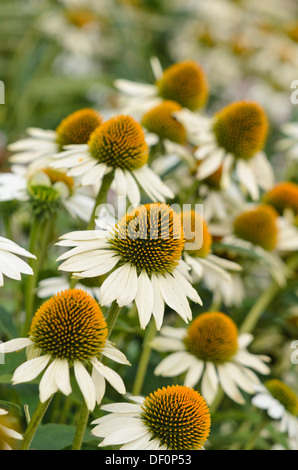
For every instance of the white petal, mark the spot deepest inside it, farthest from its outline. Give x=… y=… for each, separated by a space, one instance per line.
x=86 y=384
x=125 y=435
x=144 y=299
x=48 y=386
x=209 y=383
x=29 y=370
x=99 y=384
x=247 y=178
x=174 y=364
x=113 y=353
x=210 y=164
x=15 y=345
x=114 y=284
x=228 y=385
x=62 y=377
x=174 y=297
x=110 y=375
x=130 y=289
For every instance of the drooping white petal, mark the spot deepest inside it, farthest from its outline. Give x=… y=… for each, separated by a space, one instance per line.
x=130 y=289
x=159 y=305
x=29 y=370
x=144 y=298
x=194 y=373
x=174 y=296
x=114 y=284
x=86 y=384
x=62 y=377
x=209 y=382
x=110 y=375
x=174 y=364
x=48 y=385
x=113 y=353
x=228 y=384
x=247 y=178
x=99 y=384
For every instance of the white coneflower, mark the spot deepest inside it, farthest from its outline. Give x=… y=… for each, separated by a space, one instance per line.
x=10 y=263
x=142 y=254
x=211 y=349
x=184 y=82
x=171 y=418
x=198 y=252
x=233 y=138
x=164 y=129
x=284 y=198
x=117 y=146
x=261 y=229
x=7 y=432
x=68 y=330
x=43 y=144
x=76 y=26
x=43 y=187
x=281 y=404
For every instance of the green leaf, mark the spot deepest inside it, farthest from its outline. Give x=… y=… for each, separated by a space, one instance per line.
x=55 y=437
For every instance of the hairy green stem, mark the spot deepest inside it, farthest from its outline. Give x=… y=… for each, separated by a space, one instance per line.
x=81 y=428
x=144 y=359
x=264 y=301
x=39 y=239
x=101 y=197
x=34 y=423
x=256 y=434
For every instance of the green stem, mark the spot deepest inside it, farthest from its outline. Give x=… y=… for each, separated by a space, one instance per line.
x=81 y=427
x=31 y=280
x=258 y=308
x=264 y=301
x=34 y=423
x=101 y=197
x=84 y=413
x=39 y=240
x=144 y=359
x=256 y=434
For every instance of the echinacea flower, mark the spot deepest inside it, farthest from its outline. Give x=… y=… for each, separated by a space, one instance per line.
x=7 y=432
x=170 y=418
x=281 y=404
x=43 y=144
x=184 y=82
x=233 y=138
x=198 y=252
x=68 y=330
x=45 y=189
x=210 y=349
x=164 y=129
x=117 y=146
x=10 y=264
x=261 y=229
x=77 y=27
x=284 y=198
x=142 y=254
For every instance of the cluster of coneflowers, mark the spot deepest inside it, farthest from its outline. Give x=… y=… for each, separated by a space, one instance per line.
x=152 y=262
